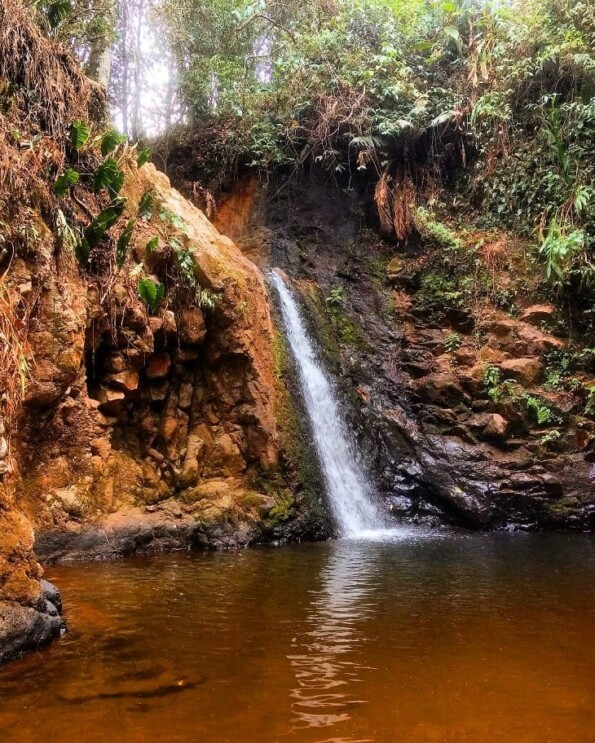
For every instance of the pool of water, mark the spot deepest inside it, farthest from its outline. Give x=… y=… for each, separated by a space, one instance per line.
x=414 y=637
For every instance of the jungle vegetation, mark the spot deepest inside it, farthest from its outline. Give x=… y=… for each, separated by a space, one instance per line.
x=492 y=99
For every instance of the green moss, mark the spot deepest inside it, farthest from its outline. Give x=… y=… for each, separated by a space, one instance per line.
x=298 y=468
x=251 y=499
x=440 y=292
x=283 y=510
x=563 y=507
x=347 y=331
x=434 y=231
x=320 y=315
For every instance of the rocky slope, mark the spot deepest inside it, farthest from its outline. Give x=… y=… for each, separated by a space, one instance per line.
x=452 y=359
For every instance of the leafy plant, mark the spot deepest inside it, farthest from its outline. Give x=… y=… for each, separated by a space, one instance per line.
x=550 y=438
x=55 y=12
x=124 y=242
x=336 y=297
x=66 y=235
x=143 y=157
x=95 y=232
x=146 y=206
x=111 y=141
x=166 y=215
x=435 y=231
x=152 y=244
x=207 y=299
x=561 y=251
x=491 y=382
x=152 y=294
x=109 y=176
x=64 y=182
x=452 y=342
x=79 y=134
x=590 y=406
x=185 y=261
x=539 y=410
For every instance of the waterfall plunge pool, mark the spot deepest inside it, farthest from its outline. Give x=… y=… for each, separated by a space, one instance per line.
x=420 y=637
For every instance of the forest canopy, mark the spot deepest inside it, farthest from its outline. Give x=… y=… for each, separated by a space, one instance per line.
x=415 y=94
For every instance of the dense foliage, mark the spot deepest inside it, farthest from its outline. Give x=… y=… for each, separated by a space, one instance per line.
x=417 y=90
x=492 y=98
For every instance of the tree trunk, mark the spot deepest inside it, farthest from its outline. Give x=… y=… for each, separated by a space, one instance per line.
x=100 y=54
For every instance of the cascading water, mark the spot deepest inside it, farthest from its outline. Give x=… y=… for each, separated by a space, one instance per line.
x=349 y=493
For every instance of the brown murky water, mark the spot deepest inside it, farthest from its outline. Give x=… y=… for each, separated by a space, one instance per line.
x=450 y=638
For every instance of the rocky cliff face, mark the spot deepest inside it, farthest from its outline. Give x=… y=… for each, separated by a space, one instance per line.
x=140 y=427
x=449 y=357
x=138 y=430
x=128 y=420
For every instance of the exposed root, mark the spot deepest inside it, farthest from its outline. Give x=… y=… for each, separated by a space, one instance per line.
x=42 y=74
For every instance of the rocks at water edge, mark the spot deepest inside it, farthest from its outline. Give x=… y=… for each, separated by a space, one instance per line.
x=26 y=628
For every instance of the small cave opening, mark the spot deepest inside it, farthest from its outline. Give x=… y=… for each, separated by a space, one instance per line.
x=96 y=355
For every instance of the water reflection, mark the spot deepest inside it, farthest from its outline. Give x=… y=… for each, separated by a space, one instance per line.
x=416 y=637
x=329 y=661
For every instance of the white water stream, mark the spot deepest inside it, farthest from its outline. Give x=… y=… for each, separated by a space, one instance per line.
x=349 y=492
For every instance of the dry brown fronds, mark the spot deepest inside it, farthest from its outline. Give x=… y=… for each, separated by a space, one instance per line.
x=332 y=117
x=395 y=197
x=41 y=74
x=14 y=353
x=494 y=255
x=403 y=199
x=382 y=197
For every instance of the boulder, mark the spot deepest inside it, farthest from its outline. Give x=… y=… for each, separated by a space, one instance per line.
x=101 y=447
x=533 y=342
x=158 y=366
x=185 y=395
x=110 y=401
x=490 y=355
x=192 y=328
x=537 y=314
x=472 y=379
x=441 y=388
x=158 y=392
x=527 y=371
x=465 y=356
x=501 y=325
x=187 y=354
x=394 y=268
x=115 y=363
x=127 y=381
x=24 y=628
x=496 y=428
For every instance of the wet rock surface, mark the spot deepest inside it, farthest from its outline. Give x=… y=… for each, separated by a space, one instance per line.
x=441 y=448
x=25 y=628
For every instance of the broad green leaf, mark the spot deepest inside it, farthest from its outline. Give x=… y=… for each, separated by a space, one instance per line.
x=111 y=141
x=151 y=293
x=66 y=181
x=108 y=175
x=124 y=242
x=57 y=11
x=152 y=244
x=143 y=157
x=79 y=134
x=103 y=222
x=146 y=206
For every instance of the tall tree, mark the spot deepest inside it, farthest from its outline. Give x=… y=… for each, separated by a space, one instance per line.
x=101 y=34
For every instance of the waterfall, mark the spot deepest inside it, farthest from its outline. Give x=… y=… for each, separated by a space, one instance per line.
x=349 y=492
